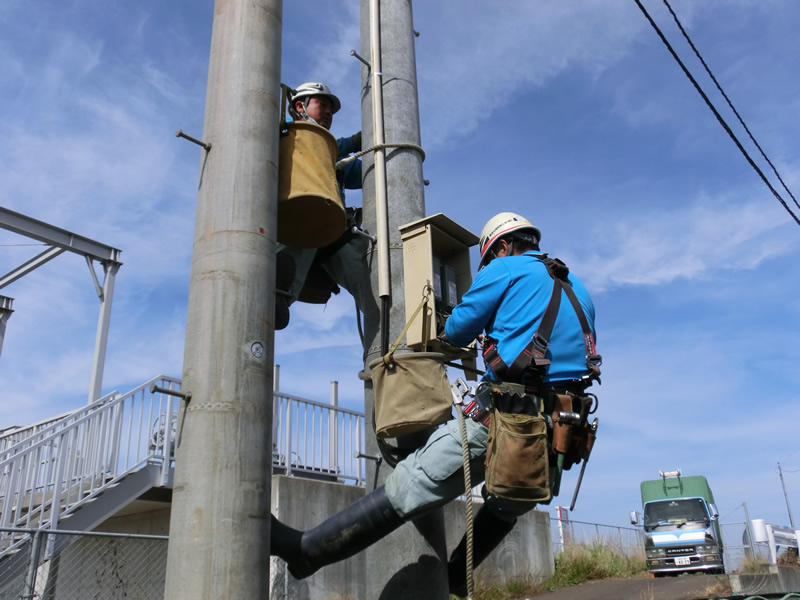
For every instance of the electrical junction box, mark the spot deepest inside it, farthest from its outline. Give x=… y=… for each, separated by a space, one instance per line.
x=436 y=256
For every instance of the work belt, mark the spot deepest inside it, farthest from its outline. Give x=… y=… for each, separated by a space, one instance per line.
x=565 y=409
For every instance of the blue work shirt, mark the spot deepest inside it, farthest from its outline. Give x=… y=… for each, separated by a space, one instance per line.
x=349 y=176
x=507 y=300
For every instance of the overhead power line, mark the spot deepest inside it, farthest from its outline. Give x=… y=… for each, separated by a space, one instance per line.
x=722 y=121
x=728 y=100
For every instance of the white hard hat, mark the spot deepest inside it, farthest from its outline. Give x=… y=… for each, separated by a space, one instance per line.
x=500 y=225
x=307 y=90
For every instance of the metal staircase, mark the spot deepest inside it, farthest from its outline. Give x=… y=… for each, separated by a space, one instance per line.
x=76 y=470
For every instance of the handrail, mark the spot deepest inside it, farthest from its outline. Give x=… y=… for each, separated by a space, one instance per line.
x=62 y=464
x=56 y=470
x=317 y=439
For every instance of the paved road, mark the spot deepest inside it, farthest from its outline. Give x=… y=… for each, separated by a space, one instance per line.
x=684 y=587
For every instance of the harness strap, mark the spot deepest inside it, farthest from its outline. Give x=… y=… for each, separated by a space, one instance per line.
x=533 y=359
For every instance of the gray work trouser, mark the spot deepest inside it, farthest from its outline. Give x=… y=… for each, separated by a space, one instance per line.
x=349 y=267
x=434 y=474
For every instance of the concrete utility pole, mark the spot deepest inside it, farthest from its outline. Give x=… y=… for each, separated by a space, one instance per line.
x=219 y=530
x=409 y=564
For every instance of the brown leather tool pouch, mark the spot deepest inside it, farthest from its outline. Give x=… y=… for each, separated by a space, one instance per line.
x=574 y=438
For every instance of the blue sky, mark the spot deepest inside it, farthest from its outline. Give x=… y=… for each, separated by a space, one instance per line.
x=572 y=114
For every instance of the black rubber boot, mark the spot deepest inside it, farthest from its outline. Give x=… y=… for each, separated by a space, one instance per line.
x=488 y=531
x=341 y=536
x=285 y=541
x=284 y=277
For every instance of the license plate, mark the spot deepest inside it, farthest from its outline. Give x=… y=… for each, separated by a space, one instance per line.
x=682 y=560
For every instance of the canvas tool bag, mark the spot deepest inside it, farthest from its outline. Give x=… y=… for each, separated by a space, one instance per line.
x=517 y=455
x=411 y=390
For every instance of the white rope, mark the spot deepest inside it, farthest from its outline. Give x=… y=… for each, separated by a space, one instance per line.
x=468 y=492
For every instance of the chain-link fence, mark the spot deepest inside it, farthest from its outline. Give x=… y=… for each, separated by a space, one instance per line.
x=66 y=565
x=563 y=532
x=737 y=547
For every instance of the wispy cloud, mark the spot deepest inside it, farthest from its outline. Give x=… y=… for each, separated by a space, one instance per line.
x=659 y=247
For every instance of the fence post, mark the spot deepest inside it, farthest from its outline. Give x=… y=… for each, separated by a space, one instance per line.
x=333 y=422
x=28 y=592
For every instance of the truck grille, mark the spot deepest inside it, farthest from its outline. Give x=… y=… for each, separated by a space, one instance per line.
x=680 y=551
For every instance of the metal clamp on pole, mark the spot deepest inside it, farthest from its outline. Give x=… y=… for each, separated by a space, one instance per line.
x=185 y=396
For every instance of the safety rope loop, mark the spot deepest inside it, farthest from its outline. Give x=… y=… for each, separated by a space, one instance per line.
x=345 y=161
x=462 y=423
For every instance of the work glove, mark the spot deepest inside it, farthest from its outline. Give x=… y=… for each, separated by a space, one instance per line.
x=357 y=141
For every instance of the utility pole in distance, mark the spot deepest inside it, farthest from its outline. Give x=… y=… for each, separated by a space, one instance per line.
x=219 y=529
x=786 y=496
x=410 y=563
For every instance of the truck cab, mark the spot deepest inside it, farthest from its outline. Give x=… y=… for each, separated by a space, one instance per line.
x=680 y=525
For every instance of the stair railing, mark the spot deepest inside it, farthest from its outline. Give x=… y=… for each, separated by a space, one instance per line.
x=57 y=469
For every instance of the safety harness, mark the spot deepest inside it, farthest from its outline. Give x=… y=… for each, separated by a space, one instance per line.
x=531 y=365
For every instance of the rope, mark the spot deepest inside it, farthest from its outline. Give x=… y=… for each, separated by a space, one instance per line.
x=352 y=157
x=468 y=492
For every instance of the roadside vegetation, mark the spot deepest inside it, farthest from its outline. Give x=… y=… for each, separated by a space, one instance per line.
x=577 y=563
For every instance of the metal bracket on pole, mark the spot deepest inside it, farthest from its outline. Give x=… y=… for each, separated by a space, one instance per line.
x=362 y=59
x=376 y=458
x=185 y=396
x=205 y=145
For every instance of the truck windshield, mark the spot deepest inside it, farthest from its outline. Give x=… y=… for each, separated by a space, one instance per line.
x=675 y=513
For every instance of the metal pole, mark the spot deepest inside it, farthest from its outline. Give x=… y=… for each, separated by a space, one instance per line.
x=418 y=571
x=749 y=531
x=29 y=592
x=785 y=495
x=333 y=428
x=103 y=321
x=219 y=528
x=5 y=314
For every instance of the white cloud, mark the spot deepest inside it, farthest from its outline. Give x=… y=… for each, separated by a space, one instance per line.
x=657 y=247
x=483 y=64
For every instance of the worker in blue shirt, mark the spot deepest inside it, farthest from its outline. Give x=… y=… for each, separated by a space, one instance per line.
x=508 y=301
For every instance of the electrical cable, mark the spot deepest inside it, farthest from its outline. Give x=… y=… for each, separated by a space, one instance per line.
x=722 y=121
x=728 y=100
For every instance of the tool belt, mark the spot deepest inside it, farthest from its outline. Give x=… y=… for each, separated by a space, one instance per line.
x=319 y=286
x=533 y=438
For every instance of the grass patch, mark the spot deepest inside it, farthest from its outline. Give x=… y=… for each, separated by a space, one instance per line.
x=577 y=563
x=753 y=565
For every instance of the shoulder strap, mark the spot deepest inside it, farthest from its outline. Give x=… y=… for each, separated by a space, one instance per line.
x=532 y=361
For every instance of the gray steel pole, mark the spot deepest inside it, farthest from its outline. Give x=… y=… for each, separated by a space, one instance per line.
x=785 y=495
x=417 y=572
x=749 y=529
x=5 y=314
x=106 y=294
x=219 y=529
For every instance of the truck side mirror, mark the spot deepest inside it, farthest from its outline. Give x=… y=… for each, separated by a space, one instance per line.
x=714 y=512
x=634 y=517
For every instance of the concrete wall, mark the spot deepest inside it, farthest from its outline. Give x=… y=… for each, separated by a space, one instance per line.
x=302 y=503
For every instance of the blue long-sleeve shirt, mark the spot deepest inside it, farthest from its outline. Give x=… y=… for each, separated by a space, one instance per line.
x=349 y=176
x=507 y=300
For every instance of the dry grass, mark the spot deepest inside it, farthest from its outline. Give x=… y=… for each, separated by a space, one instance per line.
x=578 y=563
x=753 y=565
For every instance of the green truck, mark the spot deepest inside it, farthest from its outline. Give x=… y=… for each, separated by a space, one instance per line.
x=681 y=525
